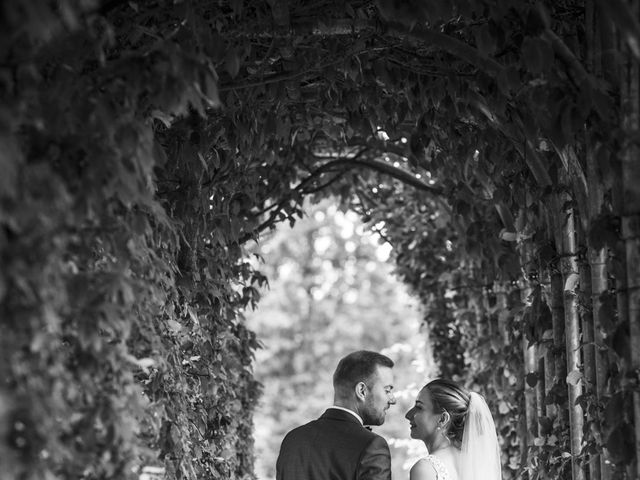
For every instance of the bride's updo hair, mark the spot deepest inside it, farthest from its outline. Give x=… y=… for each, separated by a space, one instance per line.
x=448 y=396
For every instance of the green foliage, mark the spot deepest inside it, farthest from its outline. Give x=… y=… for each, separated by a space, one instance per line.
x=143 y=145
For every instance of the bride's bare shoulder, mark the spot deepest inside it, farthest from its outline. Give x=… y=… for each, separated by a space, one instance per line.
x=423 y=469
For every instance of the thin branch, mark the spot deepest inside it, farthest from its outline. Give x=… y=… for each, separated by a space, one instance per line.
x=337 y=177
x=383 y=167
x=385 y=146
x=280 y=77
x=567 y=55
x=449 y=44
x=343 y=164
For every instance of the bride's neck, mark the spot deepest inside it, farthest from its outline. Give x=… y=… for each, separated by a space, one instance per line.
x=439 y=445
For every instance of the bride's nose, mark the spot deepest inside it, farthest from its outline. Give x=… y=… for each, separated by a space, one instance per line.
x=409 y=414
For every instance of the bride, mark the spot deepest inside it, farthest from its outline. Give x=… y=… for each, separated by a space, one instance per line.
x=458 y=430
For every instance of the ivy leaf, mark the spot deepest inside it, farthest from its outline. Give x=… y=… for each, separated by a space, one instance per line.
x=163 y=117
x=349 y=11
x=602 y=103
x=508 y=80
x=604 y=231
x=508 y=236
x=545 y=319
x=211 y=93
x=10 y=156
x=438 y=10
x=215 y=158
x=381 y=72
x=509 y=264
x=613 y=409
x=159 y=154
x=144 y=363
x=546 y=425
x=572 y=282
x=547 y=253
x=537 y=20
x=620 y=342
x=237 y=6
x=574 y=377
x=620 y=443
x=280 y=12
x=570 y=122
x=270 y=125
x=537 y=55
x=532 y=379
x=485 y=40
x=232 y=62
x=607 y=311
x=174 y=325
x=463 y=209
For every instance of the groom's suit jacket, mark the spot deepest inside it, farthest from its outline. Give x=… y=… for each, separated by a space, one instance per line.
x=334 y=447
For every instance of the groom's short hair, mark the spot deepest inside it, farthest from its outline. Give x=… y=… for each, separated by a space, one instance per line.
x=357 y=367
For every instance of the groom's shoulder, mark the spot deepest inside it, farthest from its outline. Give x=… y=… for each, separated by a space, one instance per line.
x=327 y=426
x=302 y=429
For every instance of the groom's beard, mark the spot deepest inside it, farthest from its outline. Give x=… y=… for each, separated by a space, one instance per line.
x=373 y=416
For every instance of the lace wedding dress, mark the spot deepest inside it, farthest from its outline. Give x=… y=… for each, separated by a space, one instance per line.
x=441 y=471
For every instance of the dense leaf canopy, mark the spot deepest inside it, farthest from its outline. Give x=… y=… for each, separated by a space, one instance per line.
x=145 y=144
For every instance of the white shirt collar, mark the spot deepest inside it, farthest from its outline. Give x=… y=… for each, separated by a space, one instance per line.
x=351 y=412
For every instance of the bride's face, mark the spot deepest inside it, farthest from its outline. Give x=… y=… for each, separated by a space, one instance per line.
x=423 y=420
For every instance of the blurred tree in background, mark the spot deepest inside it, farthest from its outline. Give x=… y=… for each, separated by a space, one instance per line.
x=331 y=292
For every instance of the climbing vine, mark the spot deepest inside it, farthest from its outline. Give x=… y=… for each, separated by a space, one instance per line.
x=144 y=145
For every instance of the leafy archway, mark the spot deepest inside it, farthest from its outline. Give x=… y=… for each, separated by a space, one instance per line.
x=143 y=145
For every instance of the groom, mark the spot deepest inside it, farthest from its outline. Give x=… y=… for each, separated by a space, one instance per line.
x=337 y=445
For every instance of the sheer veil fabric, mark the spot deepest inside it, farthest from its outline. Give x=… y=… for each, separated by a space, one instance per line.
x=480 y=452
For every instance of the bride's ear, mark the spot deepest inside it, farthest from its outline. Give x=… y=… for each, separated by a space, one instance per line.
x=444 y=419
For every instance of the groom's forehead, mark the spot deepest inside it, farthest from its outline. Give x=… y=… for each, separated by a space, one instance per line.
x=384 y=375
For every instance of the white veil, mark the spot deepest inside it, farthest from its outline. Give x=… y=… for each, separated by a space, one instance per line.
x=480 y=458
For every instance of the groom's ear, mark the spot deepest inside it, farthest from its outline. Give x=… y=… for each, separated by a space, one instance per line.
x=361 y=390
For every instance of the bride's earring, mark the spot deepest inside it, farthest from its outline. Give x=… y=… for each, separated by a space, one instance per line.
x=444 y=433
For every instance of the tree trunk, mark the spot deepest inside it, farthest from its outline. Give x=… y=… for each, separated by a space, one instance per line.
x=630 y=96
x=547 y=352
x=557 y=317
x=572 y=329
x=541 y=386
x=531 y=367
x=600 y=41
x=588 y=335
x=589 y=352
x=599 y=285
x=631 y=234
x=529 y=350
